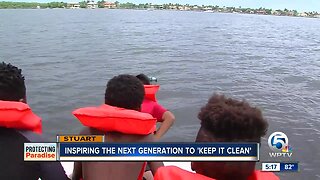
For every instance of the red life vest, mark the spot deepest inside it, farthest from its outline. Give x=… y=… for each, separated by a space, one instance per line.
x=150 y=92
x=176 y=173
x=18 y=115
x=259 y=175
x=113 y=119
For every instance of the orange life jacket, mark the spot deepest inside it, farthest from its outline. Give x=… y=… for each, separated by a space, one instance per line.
x=259 y=175
x=18 y=115
x=151 y=91
x=176 y=173
x=113 y=119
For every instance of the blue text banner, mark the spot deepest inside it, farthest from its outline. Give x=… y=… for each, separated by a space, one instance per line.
x=159 y=151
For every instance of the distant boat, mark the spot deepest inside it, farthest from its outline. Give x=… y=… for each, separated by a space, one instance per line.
x=209 y=11
x=38 y=7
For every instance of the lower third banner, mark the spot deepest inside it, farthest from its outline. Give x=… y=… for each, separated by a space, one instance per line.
x=158 y=152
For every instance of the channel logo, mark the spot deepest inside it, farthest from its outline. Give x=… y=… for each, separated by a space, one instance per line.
x=278 y=142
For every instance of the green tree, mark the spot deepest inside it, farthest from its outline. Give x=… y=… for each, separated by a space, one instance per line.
x=21 y=5
x=117 y=3
x=83 y=4
x=269 y=11
x=128 y=5
x=56 y=5
x=101 y=4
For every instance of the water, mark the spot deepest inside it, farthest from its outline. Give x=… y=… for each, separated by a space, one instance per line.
x=67 y=57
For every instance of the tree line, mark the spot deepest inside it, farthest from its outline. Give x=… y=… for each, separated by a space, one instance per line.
x=31 y=5
x=128 y=5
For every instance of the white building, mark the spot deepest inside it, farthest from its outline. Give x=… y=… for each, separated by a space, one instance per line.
x=73 y=5
x=110 y=5
x=303 y=14
x=92 y=5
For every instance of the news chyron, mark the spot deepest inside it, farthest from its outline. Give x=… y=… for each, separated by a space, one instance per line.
x=93 y=148
x=278 y=143
x=49 y=151
x=40 y=151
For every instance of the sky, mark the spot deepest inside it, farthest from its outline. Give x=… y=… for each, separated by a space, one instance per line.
x=300 y=5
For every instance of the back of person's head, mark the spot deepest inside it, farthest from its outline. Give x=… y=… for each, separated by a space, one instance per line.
x=125 y=91
x=228 y=120
x=12 y=86
x=144 y=79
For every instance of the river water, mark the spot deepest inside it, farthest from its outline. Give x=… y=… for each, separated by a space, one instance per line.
x=273 y=62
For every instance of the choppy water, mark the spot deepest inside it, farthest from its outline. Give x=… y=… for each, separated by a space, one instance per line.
x=67 y=57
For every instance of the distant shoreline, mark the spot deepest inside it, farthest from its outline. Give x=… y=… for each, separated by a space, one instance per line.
x=161 y=10
x=148 y=6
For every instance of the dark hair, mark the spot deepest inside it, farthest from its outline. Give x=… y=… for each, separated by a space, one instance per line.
x=12 y=86
x=144 y=79
x=125 y=91
x=232 y=120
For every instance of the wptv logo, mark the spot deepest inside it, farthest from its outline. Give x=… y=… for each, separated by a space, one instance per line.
x=279 y=144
